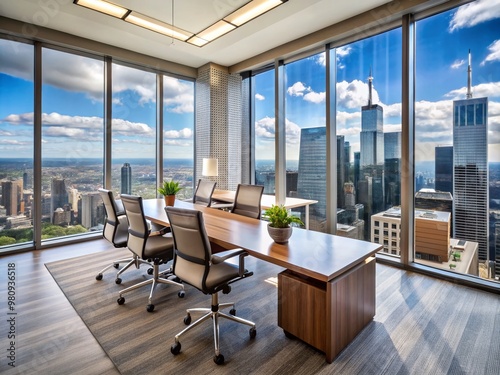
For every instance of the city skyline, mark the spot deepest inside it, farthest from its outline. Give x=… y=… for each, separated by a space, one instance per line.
x=441 y=77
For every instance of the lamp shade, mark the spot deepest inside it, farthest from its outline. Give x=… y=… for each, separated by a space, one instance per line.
x=210 y=167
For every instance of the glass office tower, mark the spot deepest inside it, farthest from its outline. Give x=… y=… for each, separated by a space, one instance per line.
x=126 y=185
x=444 y=168
x=470 y=172
x=312 y=172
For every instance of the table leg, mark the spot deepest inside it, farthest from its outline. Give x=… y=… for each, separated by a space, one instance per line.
x=307 y=216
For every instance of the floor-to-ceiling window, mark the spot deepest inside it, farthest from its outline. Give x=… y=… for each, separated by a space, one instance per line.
x=305 y=116
x=178 y=133
x=368 y=92
x=457 y=140
x=16 y=142
x=71 y=140
x=263 y=114
x=134 y=131
x=72 y=143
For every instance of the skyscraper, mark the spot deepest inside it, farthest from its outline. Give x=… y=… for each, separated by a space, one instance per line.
x=58 y=195
x=470 y=170
x=341 y=177
x=444 y=168
x=12 y=197
x=126 y=186
x=392 y=169
x=311 y=182
x=372 y=131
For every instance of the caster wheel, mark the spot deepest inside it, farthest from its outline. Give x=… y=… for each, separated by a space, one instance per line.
x=181 y=294
x=150 y=271
x=219 y=359
x=120 y=300
x=118 y=280
x=288 y=335
x=99 y=277
x=116 y=265
x=187 y=320
x=176 y=348
x=232 y=311
x=252 y=332
x=150 y=308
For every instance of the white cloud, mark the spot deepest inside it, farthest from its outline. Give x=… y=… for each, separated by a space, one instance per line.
x=265 y=129
x=178 y=95
x=457 y=64
x=490 y=89
x=475 y=13
x=355 y=94
x=494 y=54
x=185 y=133
x=315 y=97
x=259 y=97
x=298 y=89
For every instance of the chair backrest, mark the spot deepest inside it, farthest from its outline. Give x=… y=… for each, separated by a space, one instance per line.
x=192 y=246
x=138 y=230
x=247 y=200
x=203 y=193
x=116 y=223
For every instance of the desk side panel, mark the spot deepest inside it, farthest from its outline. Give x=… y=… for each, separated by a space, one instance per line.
x=350 y=306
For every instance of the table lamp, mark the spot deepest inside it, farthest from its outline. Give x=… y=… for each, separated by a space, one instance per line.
x=210 y=167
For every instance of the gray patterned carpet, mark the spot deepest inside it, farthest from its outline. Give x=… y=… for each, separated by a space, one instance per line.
x=416 y=329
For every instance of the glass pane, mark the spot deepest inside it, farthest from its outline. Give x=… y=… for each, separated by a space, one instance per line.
x=305 y=111
x=178 y=133
x=457 y=222
x=16 y=143
x=264 y=131
x=72 y=143
x=369 y=140
x=134 y=132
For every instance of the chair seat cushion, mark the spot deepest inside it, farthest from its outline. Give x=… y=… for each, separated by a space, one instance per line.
x=159 y=247
x=220 y=274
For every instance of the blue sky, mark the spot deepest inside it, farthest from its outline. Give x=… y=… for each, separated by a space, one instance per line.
x=73 y=93
x=442 y=44
x=72 y=106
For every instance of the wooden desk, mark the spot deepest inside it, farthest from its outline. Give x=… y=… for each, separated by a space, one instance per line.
x=326 y=295
x=267 y=201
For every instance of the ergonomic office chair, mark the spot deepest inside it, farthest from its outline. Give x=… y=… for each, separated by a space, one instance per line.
x=194 y=264
x=203 y=192
x=247 y=200
x=155 y=249
x=116 y=232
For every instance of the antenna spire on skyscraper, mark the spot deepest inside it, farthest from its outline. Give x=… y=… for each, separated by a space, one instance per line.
x=370 y=79
x=469 y=78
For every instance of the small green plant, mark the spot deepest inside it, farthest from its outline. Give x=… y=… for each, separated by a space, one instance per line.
x=169 y=188
x=280 y=217
x=453 y=266
x=456 y=256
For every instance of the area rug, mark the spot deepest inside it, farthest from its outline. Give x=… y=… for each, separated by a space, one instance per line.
x=139 y=342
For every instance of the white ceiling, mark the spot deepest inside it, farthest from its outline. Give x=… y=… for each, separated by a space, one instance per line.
x=285 y=23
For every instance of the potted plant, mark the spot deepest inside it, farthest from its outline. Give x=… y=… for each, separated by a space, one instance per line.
x=280 y=220
x=169 y=189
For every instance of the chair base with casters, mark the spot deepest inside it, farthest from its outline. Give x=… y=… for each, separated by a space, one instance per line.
x=154 y=281
x=135 y=260
x=215 y=313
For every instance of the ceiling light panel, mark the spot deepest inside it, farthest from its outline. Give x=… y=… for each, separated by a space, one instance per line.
x=157 y=26
x=103 y=7
x=216 y=30
x=251 y=10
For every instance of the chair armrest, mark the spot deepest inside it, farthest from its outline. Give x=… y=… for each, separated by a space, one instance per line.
x=159 y=232
x=231 y=254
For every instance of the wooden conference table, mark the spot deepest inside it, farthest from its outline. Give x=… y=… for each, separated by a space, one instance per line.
x=267 y=201
x=326 y=295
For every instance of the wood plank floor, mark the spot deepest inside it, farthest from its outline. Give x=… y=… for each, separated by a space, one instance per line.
x=50 y=337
